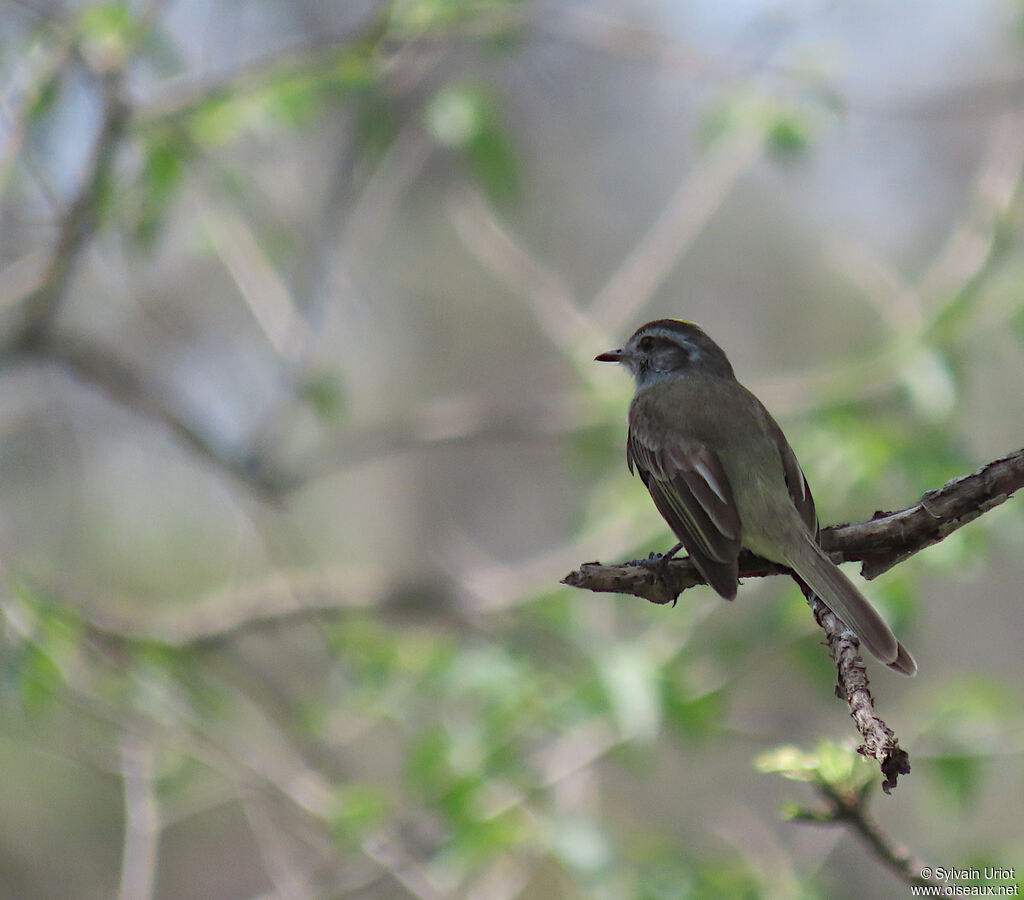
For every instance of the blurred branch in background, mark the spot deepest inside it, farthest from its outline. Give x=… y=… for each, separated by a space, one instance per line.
x=243 y=607
x=97 y=367
x=77 y=223
x=699 y=196
x=142 y=820
x=846 y=797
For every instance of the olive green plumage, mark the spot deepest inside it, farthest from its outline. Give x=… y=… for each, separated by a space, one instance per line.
x=724 y=477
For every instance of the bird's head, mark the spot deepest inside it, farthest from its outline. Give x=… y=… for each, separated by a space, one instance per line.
x=669 y=348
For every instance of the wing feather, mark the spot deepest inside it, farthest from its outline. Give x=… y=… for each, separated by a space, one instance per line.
x=691 y=490
x=799 y=490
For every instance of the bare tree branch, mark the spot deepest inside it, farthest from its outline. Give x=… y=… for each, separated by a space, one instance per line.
x=880 y=543
x=100 y=369
x=78 y=223
x=183 y=99
x=503 y=254
x=700 y=194
x=889 y=538
x=224 y=614
x=47 y=282
x=880 y=743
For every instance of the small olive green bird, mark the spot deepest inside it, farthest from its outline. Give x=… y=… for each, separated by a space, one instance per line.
x=724 y=477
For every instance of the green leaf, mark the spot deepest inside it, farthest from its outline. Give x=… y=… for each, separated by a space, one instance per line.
x=696 y=716
x=426 y=763
x=106 y=20
x=159 y=181
x=325 y=393
x=788 y=127
x=831 y=763
x=463 y=118
x=957 y=775
x=494 y=162
x=580 y=844
x=358 y=809
x=455 y=115
x=789 y=134
x=45 y=97
x=376 y=123
x=109 y=32
x=164 y=674
x=354 y=68
x=39 y=678
x=726 y=879
x=217 y=120
x=789 y=761
x=32 y=665
x=295 y=100
x=163 y=167
x=634 y=690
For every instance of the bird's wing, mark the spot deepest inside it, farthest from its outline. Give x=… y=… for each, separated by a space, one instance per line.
x=691 y=490
x=799 y=490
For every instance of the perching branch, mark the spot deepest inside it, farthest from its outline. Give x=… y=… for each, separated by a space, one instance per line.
x=879 y=544
x=889 y=538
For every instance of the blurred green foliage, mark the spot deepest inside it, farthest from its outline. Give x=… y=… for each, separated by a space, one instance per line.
x=476 y=740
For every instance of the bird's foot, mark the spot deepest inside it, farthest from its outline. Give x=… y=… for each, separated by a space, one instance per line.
x=658 y=564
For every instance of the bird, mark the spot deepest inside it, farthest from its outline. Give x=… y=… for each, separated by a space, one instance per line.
x=724 y=477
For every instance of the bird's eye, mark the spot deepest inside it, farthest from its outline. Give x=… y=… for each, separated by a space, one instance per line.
x=646 y=344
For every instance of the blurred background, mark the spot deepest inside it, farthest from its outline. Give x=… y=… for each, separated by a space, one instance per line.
x=300 y=430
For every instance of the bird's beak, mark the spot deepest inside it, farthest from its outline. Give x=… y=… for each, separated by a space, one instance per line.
x=611 y=356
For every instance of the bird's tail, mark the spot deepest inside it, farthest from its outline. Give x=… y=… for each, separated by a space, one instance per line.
x=837 y=592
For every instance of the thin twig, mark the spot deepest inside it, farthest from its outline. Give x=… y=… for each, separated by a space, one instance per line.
x=975 y=240
x=226 y=614
x=184 y=98
x=141 y=819
x=79 y=222
x=698 y=197
x=850 y=808
x=282 y=870
x=880 y=743
x=554 y=305
x=37 y=73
